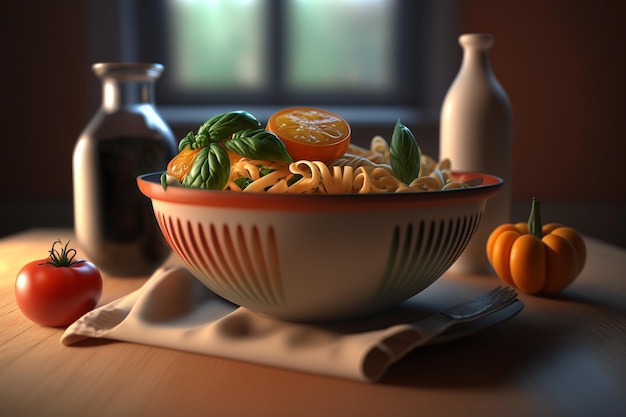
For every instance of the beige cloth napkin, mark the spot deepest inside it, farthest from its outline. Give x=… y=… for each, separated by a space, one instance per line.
x=174 y=310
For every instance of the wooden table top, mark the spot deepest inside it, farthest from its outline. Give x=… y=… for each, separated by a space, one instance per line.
x=561 y=356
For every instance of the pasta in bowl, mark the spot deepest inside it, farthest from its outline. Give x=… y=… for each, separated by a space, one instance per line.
x=313 y=240
x=319 y=257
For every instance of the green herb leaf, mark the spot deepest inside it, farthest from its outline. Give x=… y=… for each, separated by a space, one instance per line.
x=258 y=144
x=220 y=127
x=210 y=169
x=294 y=179
x=243 y=182
x=164 y=180
x=189 y=140
x=404 y=154
x=263 y=171
x=202 y=140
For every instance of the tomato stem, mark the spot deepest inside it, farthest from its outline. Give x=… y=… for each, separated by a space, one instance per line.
x=63 y=258
x=534 y=221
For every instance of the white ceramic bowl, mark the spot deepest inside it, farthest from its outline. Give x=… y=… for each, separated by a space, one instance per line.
x=318 y=257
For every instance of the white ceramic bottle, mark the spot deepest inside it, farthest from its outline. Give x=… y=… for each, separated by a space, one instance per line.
x=475 y=134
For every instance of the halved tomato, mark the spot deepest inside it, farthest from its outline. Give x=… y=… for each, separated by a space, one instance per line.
x=310 y=133
x=180 y=165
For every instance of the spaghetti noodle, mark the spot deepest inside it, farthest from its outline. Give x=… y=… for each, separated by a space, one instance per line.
x=360 y=170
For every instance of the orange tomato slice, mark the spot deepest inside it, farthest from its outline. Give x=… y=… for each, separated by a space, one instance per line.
x=180 y=165
x=310 y=133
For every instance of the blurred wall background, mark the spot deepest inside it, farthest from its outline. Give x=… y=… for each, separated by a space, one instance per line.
x=560 y=61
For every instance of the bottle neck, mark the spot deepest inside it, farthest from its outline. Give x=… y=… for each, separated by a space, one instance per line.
x=117 y=94
x=476 y=52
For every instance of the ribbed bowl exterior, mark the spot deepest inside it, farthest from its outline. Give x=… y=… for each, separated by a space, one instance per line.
x=317 y=261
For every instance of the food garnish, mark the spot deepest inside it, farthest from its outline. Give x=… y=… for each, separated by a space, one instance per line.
x=311 y=134
x=232 y=152
x=209 y=168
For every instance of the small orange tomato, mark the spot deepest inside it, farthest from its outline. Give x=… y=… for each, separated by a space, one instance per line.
x=310 y=133
x=536 y=259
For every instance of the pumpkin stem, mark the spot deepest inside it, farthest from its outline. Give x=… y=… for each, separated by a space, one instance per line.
x=534 y=222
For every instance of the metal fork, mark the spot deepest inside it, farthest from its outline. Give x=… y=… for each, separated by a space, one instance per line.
x=479 y=307
x=488 y=303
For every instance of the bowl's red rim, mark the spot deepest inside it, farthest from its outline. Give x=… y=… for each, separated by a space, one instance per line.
x=150 y=185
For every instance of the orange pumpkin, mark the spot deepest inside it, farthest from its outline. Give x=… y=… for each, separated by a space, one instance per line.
x=536 y=258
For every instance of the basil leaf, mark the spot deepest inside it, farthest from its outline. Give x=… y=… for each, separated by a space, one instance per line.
x=243 y=182
x=263 y=171
x=202 y=140
x=258 y=144
x=189 y=140
x=220 y=127
x=404 y=154
x=294 y=179
x=210 y=168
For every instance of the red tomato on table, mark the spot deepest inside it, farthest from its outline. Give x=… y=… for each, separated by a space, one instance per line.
x=58 y=290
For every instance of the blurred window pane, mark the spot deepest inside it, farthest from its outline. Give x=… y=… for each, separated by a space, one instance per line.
x=218 y=44
x=339 y=44
x=325 y=45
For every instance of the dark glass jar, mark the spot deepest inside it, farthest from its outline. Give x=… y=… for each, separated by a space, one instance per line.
x=114 y=223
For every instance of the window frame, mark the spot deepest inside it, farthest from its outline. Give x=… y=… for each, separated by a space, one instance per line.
x=136 y=30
